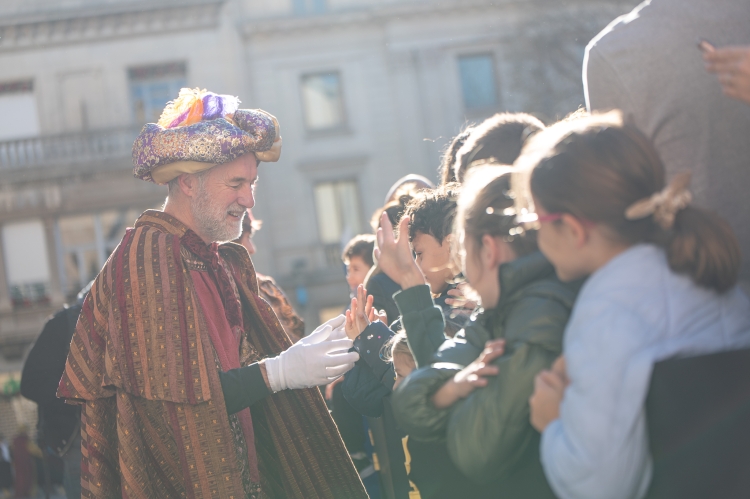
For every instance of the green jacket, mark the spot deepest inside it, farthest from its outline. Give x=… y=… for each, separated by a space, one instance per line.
x=488 y=434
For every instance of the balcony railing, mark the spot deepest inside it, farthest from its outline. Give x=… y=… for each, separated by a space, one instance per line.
x=49 y=150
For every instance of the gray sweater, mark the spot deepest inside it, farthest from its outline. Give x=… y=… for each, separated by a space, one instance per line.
x=647 y=63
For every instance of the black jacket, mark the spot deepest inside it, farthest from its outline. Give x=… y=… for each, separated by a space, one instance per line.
x=58 y=421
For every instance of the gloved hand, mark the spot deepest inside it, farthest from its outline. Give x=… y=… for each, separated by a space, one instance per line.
x=314 y=360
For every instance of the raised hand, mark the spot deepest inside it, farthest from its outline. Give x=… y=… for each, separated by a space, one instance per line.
x=394 y=255
x=358 y=315
x=471 y=377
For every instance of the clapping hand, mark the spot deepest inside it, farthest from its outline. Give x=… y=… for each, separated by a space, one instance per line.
x=394 y=255
x=361 y=313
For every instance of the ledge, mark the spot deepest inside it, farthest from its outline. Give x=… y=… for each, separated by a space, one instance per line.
x=106 y=22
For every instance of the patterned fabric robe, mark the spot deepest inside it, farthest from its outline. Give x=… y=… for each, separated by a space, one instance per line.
x=154 y=421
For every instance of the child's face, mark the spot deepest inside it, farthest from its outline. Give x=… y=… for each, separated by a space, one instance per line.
x=403 y=364
x=564 y=244
x=433 y=258
x=356 y=272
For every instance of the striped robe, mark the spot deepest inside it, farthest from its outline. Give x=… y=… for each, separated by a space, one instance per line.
x=154 y=422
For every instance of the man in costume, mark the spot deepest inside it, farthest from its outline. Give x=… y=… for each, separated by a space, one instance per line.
x=190 y=387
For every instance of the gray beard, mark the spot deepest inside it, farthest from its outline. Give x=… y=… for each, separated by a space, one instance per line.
x=211 y=220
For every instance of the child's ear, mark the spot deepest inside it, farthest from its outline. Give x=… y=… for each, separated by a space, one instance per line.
x=489 y=251
x=575 y=229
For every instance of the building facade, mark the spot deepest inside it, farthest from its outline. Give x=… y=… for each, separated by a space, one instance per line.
x=366 y=91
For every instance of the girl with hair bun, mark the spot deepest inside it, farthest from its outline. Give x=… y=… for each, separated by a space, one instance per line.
x=661 y=283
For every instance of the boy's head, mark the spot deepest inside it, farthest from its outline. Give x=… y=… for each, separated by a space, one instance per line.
x=357 y=257
x=432 y=213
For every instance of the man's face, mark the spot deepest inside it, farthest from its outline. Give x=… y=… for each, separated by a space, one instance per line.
x=222 y=196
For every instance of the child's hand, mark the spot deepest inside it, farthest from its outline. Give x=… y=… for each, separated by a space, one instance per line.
x=460 y=304
x=549 y=387
x=471 y=377
x=377 y=315
x=357 y=317
x=394 y=255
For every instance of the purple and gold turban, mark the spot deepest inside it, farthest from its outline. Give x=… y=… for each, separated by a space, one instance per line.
x=200 y=130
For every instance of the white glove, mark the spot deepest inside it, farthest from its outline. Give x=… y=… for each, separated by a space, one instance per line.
x=337 y=323
x=314 y=360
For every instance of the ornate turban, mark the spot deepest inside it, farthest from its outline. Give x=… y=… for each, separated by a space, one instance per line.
x=200 y=130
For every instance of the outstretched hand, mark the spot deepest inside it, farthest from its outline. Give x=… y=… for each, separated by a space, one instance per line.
x=394 y=254
x=358 y=317
x=361 y=313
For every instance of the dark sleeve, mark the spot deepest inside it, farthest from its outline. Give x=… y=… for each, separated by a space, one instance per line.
x=243 y=387
x=46 y=361
x=501 y=408
x=369 y=345
x=364 y=391
x=372 y=378
x=423 y=322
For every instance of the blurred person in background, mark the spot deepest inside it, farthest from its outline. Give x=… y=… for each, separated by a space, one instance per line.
x=650 y=64
x=189 y=384
x=59 y=424
x=23 y=452
x=6 y=470
x=269 y=290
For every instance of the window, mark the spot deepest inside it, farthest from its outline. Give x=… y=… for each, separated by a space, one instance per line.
x=86 y=241
x=302 y=7
x=26 y=264
x=322 y=101
x=18 y=113
x=339 y=217
x=151 y=87
x=478 y=81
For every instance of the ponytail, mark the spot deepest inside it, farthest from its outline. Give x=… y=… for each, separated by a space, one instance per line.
x=703 y=246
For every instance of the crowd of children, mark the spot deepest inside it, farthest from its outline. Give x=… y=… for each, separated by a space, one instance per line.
x=514 y=314
x=584 y=267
